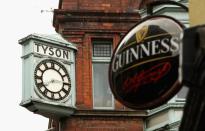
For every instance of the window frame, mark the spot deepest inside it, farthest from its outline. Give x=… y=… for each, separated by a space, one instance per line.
x=100 y=59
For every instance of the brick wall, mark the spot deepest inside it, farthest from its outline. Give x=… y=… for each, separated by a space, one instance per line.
x=79 y=21
x=102 y=124
x=79 y=28
x=100 y=5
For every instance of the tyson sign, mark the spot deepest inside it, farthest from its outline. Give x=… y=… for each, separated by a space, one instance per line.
x=144 y=70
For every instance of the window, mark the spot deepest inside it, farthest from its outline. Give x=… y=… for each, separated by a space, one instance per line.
x=102 y=96
x=101 y=49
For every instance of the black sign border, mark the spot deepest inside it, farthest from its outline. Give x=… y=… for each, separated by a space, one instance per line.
x=164 y=98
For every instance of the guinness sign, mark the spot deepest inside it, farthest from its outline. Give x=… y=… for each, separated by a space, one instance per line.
x=144 y=70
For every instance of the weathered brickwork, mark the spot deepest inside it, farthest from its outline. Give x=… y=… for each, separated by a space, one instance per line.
x=101 y=5
x=79 y=21
x=102 y=124
x=80 y=28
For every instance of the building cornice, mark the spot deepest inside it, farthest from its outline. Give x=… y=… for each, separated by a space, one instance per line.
x=168 y=106
x=63 y=15
x=110 y=113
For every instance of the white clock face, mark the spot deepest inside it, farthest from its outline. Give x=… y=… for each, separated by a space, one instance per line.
x=52 y=79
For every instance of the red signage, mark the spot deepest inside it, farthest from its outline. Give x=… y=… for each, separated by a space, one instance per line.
x=144 y=70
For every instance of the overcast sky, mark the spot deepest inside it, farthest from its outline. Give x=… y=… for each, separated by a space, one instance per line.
x=19 y=18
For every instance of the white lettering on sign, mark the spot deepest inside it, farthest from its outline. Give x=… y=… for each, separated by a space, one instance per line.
x=52 y=51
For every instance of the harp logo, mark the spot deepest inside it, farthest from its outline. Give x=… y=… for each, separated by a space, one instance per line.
x=141 y=34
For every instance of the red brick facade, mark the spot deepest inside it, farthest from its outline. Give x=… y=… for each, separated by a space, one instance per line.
x=100 y=5
x=102 y=124
x=79 y=21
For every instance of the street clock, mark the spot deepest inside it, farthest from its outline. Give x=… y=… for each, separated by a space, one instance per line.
x=48 y=75
x=52 y=80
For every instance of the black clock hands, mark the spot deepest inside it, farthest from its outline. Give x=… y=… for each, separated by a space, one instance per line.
x=55 y=81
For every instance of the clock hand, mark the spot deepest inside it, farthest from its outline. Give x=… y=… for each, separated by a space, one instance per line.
x=51 y=81
x=57 y=81
x=46 y=83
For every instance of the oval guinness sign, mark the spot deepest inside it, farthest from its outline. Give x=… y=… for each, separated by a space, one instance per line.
x=144 y=70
